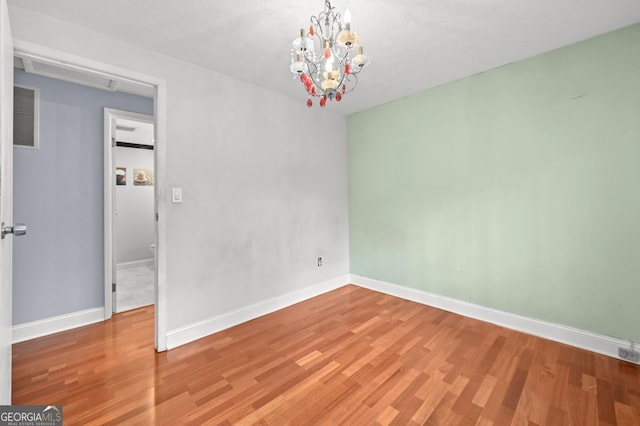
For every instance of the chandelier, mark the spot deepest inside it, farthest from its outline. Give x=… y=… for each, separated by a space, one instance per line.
x=328 y=58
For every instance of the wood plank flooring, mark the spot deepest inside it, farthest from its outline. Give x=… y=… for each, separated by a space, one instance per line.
x=351 y=356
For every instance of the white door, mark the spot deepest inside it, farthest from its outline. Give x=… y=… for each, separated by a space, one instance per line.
x=6 y=199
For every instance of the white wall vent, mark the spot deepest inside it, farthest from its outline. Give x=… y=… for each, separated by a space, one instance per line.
x=25 y=117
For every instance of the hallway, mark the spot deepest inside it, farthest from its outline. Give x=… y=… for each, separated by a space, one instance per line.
x=135 y=288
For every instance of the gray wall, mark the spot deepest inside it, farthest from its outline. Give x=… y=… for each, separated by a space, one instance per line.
x=58 y=267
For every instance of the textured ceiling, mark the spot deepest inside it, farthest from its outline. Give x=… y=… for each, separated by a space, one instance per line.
x=414 y=44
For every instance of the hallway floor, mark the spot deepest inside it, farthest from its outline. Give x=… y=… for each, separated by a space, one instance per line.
x=135 y=288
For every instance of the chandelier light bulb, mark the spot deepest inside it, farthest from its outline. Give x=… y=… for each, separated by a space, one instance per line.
x=347 y=38
x=347 y=20
x=297 y=42
x=328 y=65
x=302 y=43
x=360 y=60
x=298 y=66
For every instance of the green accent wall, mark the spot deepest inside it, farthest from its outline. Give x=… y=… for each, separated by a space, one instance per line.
x=516 y=189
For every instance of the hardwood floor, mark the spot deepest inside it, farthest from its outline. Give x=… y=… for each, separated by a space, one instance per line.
x=351 y=356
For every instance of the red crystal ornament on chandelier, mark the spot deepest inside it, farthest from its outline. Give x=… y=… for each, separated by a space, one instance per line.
x=328 y=58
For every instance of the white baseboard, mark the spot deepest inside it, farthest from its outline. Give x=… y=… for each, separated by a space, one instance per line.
x=134 y=264
x=221 y=322
x=43 y=327
x=590 y=341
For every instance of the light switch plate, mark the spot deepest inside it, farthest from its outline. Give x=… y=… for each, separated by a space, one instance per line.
x=176 y=195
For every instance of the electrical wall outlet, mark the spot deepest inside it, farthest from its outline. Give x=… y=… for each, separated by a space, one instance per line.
x=319 y=261
x=629 y=355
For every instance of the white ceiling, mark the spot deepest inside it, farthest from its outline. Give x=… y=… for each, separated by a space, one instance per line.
x=415 y=44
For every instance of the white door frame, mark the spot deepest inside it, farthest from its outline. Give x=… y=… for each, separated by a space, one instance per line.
x=84 y=64
x=6 y=204
x=110 y=116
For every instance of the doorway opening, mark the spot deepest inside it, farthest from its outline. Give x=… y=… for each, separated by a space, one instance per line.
x=70 y=67
x=129 y=137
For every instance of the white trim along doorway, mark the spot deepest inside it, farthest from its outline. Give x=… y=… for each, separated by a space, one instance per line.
x=110 y=207
x=92 y=67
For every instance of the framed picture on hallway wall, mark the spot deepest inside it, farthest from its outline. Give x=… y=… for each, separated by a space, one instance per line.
x=121 y=175
x=142 y=177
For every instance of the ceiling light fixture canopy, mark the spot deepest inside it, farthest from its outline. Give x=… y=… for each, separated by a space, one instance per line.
x=328 y=58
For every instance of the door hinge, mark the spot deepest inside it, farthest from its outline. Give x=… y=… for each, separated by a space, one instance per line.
x=113 y=287
x=157 y=217
x=113 y=141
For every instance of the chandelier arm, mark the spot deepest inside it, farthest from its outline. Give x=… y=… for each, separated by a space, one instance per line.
x=315 y=21
x=342 y=78
x=355 y=83
x=320 y=39
x=356 y=70
x=312 y=73
x=310 y=63
x=316 y=83
x=343 y=60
